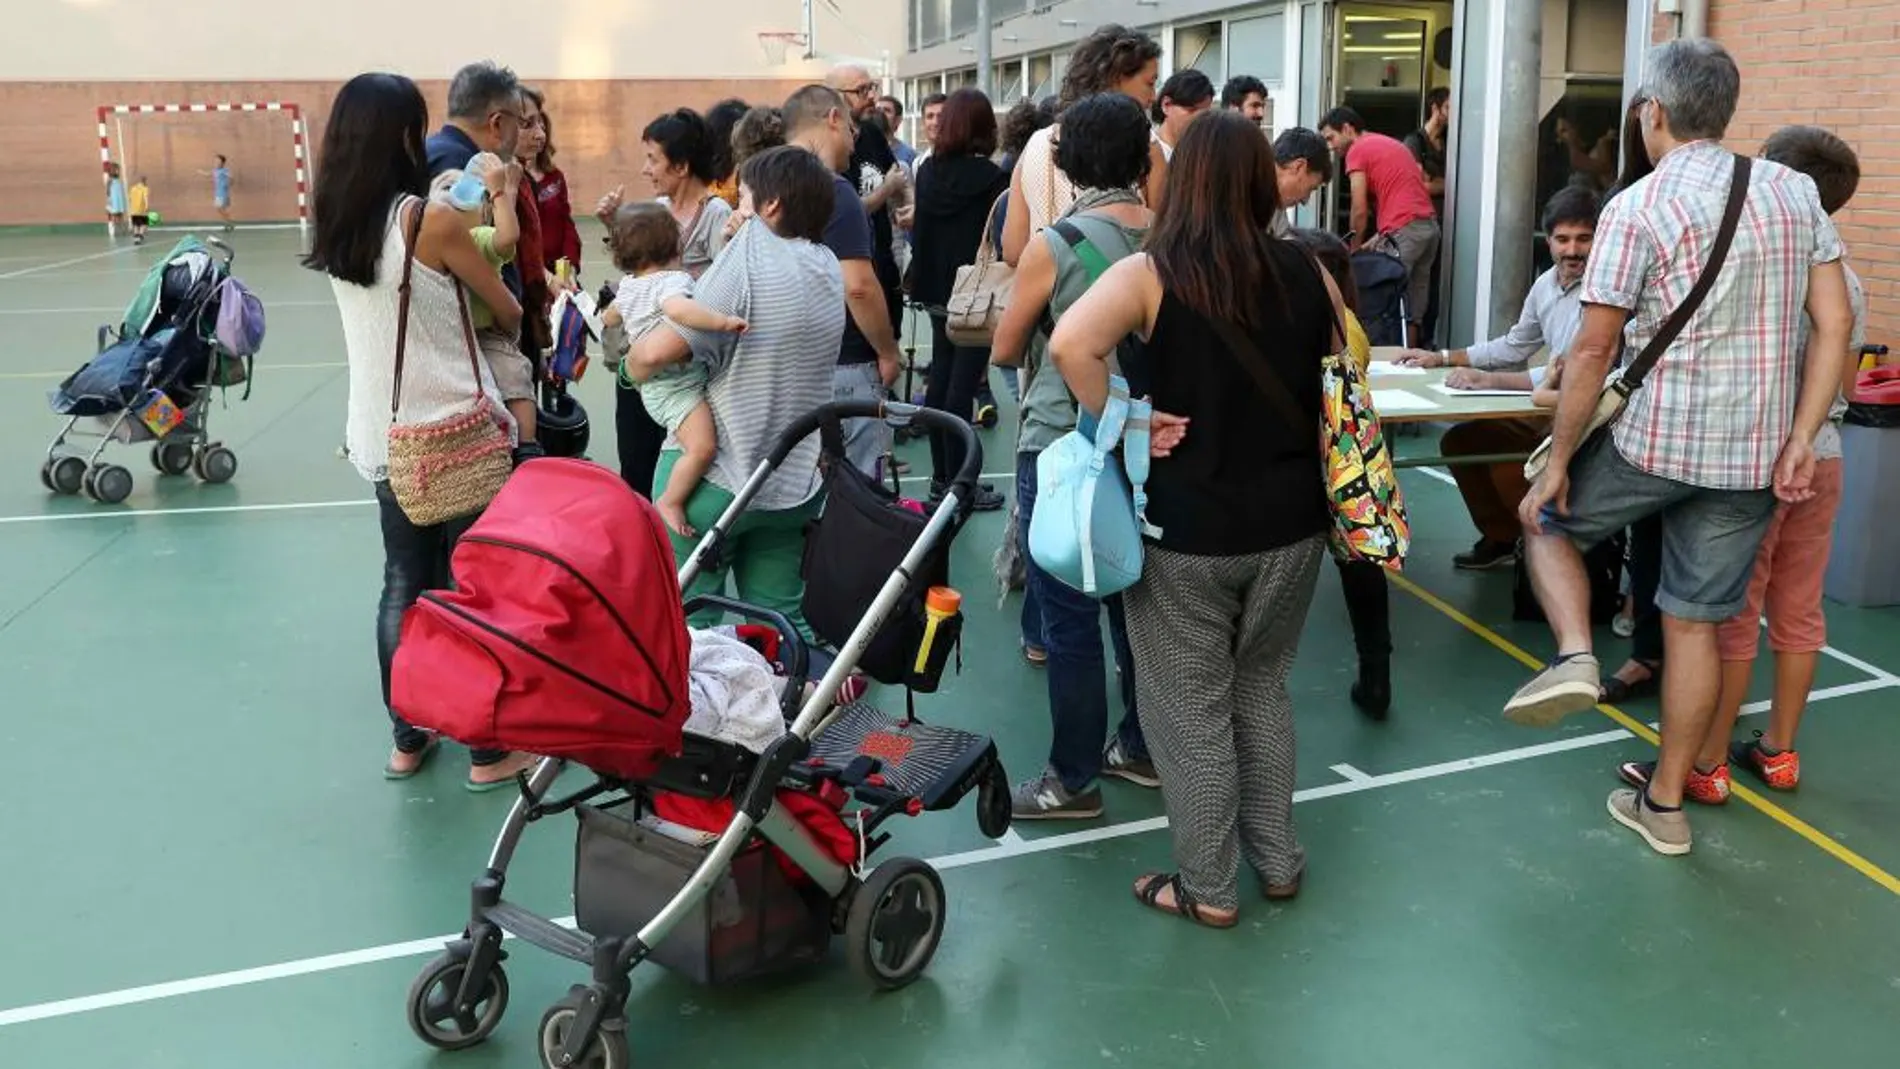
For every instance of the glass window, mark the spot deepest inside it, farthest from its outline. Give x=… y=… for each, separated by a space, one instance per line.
x=1198 y=47
x=930 y=17
x=1257 y=46
x=962 y=17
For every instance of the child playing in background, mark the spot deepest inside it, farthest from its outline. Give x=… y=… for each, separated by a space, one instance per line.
x=485 y=195
x=646 y=244
x=1792 y=561
x=141 y=205
x=115 y=199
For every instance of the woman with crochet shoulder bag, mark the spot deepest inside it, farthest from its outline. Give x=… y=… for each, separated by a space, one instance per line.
x=420 y=400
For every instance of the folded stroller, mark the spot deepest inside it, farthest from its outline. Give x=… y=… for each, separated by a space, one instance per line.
x=565 y=636
x=1381 y=281
x=192 y=326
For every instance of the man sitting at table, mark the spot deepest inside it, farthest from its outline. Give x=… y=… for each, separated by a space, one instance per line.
x=1552 y=314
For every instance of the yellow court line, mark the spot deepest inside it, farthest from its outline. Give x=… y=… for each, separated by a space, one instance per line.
x=1641 y=730
x=266 y=367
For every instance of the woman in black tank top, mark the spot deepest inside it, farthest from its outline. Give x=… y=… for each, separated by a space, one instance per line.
x=1237 y=493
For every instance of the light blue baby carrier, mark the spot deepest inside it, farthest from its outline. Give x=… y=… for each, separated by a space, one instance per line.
x=1091 y=509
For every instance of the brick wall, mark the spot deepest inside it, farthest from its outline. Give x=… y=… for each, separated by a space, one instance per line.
x=52 y=173
x=1830 y=63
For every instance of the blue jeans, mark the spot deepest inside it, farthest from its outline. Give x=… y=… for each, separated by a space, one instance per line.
x=1071 y=624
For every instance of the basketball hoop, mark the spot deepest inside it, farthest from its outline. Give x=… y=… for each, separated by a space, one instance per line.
x=776 y=43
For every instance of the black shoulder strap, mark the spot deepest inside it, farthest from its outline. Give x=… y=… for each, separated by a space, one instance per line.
x=1249 y=356
x=1672 y=327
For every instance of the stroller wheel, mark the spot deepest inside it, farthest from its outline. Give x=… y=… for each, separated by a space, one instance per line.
x=66 y=475
x=895 y=922
x=216 y=464
x=171 y=458
x=607 y=1050
x=993 y=806
x=432 y=1013
x=108 y=484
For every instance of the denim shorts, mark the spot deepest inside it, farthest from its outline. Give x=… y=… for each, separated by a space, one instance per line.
x=1710 y=537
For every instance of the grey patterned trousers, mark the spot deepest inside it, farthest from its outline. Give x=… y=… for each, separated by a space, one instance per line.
x=1214 y=639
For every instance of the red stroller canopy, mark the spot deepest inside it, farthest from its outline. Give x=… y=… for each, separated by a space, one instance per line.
x=564 y=635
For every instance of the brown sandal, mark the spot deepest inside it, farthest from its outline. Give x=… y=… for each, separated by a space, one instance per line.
x=1148 y=893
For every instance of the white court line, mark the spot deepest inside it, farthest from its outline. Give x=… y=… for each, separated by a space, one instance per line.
x=24 y=271
x=118 y=309
x=57 y=517
x=1005 y=849
x=1350 y=774
x=62 y=517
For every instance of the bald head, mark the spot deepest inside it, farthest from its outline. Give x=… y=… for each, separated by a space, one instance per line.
x=856 y=85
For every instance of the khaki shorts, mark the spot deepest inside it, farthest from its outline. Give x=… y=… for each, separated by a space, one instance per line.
x=514 y=373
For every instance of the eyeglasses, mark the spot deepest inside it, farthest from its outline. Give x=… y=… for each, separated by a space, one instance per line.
x=867 y=89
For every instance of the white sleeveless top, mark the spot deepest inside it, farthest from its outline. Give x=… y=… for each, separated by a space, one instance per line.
x=437 y=381
x=1047 y=191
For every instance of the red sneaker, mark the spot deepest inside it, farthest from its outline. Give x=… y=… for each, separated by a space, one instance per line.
x=1704 y=788
x=1780 y=771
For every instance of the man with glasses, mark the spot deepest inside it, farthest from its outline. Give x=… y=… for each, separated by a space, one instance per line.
x=878 y=177
x=485 y=115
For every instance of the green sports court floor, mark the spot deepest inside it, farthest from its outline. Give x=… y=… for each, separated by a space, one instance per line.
x=201 y=867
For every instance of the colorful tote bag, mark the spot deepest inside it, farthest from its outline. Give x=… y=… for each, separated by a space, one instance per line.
x=1369 y=519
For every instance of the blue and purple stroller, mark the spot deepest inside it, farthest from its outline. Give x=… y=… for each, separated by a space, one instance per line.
x=192 y=326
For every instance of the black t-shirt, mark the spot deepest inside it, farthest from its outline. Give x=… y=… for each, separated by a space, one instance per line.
x=871 y=156
x=1244 y=480
x=848 y=236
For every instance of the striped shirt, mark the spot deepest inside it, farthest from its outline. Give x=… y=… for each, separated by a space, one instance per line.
x=1719 y=405
x=791 y=294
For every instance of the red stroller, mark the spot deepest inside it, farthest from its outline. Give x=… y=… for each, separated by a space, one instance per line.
x=566 y=637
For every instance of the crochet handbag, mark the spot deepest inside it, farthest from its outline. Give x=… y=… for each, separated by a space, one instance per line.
x=451 y=467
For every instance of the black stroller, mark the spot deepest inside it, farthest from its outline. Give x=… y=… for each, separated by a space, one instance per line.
x=759 y=882
x=1381 y=280
x=151 y=380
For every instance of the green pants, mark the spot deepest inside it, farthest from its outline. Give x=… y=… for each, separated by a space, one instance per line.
x=764 y=550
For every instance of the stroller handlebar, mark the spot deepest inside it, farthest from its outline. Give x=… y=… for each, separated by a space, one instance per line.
x=930 y=419
x=227 y=251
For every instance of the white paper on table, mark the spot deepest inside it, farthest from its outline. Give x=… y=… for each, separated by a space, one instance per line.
x=1395 y=401
x=1449 y=391
x=1382 y=370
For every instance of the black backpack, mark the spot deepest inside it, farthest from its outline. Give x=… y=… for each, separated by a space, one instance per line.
x=1603 y=563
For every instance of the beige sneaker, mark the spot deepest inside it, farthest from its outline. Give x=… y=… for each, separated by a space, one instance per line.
x=1569 y=685
x=1666 y=831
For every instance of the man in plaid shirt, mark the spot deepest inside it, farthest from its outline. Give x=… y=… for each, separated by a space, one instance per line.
x=1723 y=426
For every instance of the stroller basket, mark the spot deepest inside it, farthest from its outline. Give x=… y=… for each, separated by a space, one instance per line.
x=754 y=921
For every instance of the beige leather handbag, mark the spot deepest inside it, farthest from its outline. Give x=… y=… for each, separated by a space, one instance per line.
x=981 y=292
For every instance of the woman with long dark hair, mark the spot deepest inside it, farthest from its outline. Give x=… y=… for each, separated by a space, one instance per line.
x=366 y=204
x=1236 y=323
x=956 y=186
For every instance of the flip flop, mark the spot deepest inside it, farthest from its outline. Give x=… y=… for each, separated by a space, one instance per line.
x=391 y=772
x=475 y=787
